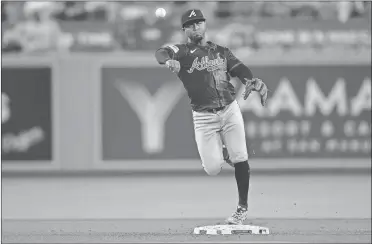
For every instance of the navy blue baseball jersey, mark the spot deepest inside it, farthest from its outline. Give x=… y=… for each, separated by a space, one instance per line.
x=205 y=73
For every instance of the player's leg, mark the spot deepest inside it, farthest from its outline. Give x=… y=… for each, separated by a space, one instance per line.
x=233 y=134
x=225 y=154
x=208 y=140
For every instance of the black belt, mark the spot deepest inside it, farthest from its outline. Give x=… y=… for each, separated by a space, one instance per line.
x=215 y=110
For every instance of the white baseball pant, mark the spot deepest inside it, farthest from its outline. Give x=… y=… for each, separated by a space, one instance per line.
x=212 y=130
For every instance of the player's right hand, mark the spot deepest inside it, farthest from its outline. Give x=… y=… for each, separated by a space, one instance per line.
x=173 y=65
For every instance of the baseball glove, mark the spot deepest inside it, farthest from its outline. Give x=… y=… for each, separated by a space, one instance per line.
x=257 y=85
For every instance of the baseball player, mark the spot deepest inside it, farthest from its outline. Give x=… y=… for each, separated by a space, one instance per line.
x=205 y=70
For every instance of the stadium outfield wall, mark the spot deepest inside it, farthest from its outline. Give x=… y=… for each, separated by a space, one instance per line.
x=122 y=112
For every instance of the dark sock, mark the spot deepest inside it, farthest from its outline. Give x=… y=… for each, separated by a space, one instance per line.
x=242 y=175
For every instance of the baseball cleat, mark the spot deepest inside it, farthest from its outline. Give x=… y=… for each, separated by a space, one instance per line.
x=238 y=217
x=226 y=156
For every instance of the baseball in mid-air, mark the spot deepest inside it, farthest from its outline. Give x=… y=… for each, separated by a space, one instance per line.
x=160 y=12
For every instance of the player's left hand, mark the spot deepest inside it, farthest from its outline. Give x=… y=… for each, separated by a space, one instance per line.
x=258 y=85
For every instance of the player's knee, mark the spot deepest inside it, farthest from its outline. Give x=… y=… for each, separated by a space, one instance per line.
x=213 y=171
x=239 y=157
x=214 y=167
x=213 y=164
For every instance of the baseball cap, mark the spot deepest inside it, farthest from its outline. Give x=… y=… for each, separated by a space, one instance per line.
x=191 y=15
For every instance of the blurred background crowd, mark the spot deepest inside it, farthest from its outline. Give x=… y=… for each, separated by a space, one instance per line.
x=249 y=27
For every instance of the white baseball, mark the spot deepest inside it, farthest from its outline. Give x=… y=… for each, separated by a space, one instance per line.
x=160 y=12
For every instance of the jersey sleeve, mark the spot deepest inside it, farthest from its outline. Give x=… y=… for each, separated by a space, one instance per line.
x=236 y=68
x=232 y=61
x=171 y=51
